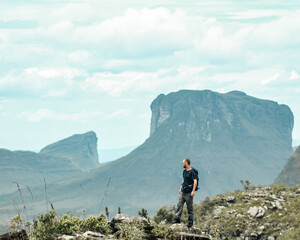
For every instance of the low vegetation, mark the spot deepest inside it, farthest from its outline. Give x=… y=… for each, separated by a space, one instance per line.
x=69 y=224
x=258 y=212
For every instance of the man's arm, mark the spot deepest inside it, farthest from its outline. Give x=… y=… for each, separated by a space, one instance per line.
x=194 y=187
x=180 y=187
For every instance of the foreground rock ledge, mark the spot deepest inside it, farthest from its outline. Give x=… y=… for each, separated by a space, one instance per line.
x=180 y=231
x=14 y=235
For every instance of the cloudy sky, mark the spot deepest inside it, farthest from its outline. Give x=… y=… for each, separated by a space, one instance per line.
x=69 y=67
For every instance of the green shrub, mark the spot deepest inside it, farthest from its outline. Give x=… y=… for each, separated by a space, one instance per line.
x=49 y=224
x=96 y=224
x=45 y=225
x=143 y=213
x=163 y=232
x=165 y=213
x=68 y=224
x=277 y=188
x=16 y=222
x=129 y=231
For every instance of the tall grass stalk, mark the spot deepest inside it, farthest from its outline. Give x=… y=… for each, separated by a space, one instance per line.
x=46 y=196
x=22 y=199
x=32 y=201
x=105 y=194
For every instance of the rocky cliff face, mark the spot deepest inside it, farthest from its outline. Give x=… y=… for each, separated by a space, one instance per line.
x=81 y=149
x=208 y=116
x=290 y=175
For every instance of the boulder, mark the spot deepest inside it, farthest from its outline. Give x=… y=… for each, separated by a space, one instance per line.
x=278 y=205
x=256 y=212
x=123 y=218
x=182 y=232
x=14 y=235
x=89 y=235
x=228 y=199
x=93 y=234
x=140 y=222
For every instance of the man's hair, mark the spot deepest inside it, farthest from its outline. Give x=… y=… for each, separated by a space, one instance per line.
x=188 y=161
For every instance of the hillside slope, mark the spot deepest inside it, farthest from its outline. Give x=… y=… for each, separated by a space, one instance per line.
x=256 y=212
x=290 y=175
x=30 y=168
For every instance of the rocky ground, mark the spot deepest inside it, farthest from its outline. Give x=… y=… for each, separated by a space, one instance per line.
x=268 y=212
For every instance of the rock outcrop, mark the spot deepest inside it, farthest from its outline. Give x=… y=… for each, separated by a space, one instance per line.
x=140 y=222
x=14 y=235
x=89 y=235
x=181 y=231
x=258 y=213
x=81 y=149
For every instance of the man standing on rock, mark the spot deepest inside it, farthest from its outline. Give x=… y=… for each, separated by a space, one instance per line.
x=186 y=192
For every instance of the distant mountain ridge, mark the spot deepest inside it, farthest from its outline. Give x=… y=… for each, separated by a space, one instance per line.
x=29 y=168
x=57 y=161
x=81 y=149
x=228 y=137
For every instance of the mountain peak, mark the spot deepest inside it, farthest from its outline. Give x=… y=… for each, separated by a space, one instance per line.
x=81 y=149
x=203 y=115
x=237 y=93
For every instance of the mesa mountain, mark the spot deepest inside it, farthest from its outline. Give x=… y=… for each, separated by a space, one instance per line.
x=228 y=137
x=56 y=161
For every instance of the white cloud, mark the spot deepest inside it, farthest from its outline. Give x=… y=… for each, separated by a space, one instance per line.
x=55 y=93
x=38 y=115
x=41 y=81
x=282 y=32
x=183 y=77
x=218 y=42
x=252 y=77
x=73 y=11
x=136 y=32
x=120 y=113
x=132 y=82
x=66 y=73
x=269 y=80
x=255 y=13
x=294 y=75
x=24 y=12
x=117 y=84
x=82 y=116
x=79 y=56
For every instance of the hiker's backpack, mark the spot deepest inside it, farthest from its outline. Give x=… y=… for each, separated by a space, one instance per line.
x=197 y=177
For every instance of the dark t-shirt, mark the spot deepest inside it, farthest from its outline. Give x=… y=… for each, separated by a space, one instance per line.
x=188 y=177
